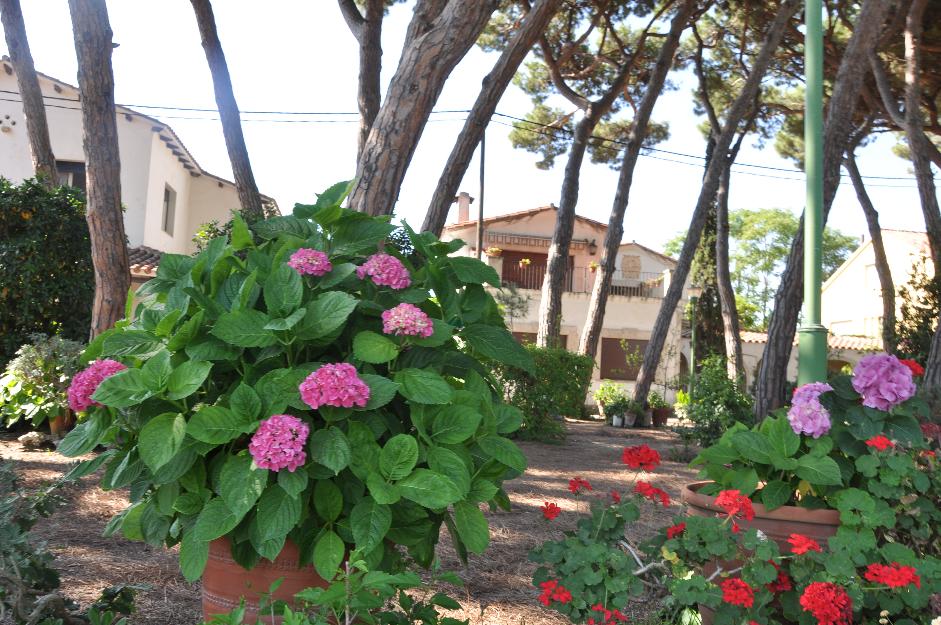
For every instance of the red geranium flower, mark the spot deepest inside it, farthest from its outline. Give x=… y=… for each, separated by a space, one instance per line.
x=782 y=583
x=736 y=592
x=615 y=496
x=641 y=457
x=880 y=442
x=931 y=430
x=894 y=576
x=645 y=489
x=552 y=590
x=675 y=530
x=736 y=504
x=576 y=484
x=917 y=369
x=550 y=510
x=801 y=544
x=828 y=603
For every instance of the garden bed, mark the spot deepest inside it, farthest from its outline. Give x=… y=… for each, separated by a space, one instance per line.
x=498 y=587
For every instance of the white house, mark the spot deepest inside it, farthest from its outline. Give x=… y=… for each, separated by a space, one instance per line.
x=166 y=194
x=852 y=297
x=517 y=246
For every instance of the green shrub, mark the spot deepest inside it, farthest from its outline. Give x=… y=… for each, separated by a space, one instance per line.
x=35 y=382
x=47 y=282
x=716 y=403
x=657 y=401
x=558 y=388
x=608 y=392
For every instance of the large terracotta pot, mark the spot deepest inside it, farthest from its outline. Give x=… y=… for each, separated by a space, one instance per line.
x=661 y=416
x=226 y=583
x=60 y=425
x=777 y=525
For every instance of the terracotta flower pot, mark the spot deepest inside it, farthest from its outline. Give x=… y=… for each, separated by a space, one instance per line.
x=660 y=417
x=225 y=583
x=60 y=425
x=777 y=525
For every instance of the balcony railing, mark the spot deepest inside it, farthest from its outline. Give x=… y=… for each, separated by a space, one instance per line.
x=582 y=279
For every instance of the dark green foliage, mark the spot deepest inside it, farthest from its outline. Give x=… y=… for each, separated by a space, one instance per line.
x=717 y=403
x=921 y=305
x=46 y=278
x=558 y=388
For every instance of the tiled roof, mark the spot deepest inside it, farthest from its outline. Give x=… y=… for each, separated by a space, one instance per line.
x=144 y=261
x=834 y=341
x=522 y=215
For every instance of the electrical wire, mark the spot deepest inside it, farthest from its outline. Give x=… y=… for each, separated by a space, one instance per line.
x=646 y=151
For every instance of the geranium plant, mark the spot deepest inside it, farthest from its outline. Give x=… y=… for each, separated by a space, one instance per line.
x=305 y=379
x=852 y=445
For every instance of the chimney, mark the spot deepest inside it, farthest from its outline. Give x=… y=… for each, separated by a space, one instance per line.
x=464 y=200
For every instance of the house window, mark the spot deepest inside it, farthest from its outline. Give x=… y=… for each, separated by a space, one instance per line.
x=620 y=358
x=169 y=209
x=71 y=173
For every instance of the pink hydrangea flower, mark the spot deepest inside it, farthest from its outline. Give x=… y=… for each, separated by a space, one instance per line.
x=86 y=382
x=883 y=381
x=807 y=415
x=278 y=443
x=385 y=270
x=334 y=385
x=311 y=262
x=407 y=320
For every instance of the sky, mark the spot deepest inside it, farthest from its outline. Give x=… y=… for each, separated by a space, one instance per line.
x=298 y=55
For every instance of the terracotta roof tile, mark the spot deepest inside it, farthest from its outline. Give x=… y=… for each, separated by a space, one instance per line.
x=835 y=341
x=144 y=261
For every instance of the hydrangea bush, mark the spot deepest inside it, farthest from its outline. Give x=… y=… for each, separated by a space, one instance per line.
x=303 y=380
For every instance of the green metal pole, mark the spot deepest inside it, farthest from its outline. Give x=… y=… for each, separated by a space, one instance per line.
x=693 y=302
x=813 y=336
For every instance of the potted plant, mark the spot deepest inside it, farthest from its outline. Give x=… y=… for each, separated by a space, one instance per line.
x=882 y=564
x=606 y=393
x=661 y=409
x=620 y=412
x=493 y=252
x=35 y=383
x=294 y=396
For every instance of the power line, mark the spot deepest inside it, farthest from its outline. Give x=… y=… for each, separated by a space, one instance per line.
x=695 y=156
x=646 y=153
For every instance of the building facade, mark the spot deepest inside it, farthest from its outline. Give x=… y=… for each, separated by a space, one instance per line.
x=852 y=297
x=517 y=246
x=166 y=194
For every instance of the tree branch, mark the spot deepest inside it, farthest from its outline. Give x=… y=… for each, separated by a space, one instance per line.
x=557 y=79
x=889 y=102
x=354 y=19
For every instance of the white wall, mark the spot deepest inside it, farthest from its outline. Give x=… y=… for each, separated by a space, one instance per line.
x=147 y=164
x=852 y=298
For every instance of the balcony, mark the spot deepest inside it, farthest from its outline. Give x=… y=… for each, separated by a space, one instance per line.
x=582 y=279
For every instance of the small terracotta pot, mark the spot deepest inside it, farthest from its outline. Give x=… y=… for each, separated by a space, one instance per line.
x=61 y=424
x=777 y=525
x=661 y=416
x=225 y=583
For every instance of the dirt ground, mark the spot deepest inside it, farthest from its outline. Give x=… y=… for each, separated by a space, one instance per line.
x=497 y=585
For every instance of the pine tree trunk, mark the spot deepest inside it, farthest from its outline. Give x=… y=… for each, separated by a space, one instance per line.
x=915 y=131
x=93 y=47
x=919 y=147
x=591 y=333
x=730 y=323
x=249 y=198
x=427 y=61
x=736 y=113
x=886 y=285
x=367 y=30
x=494 y=85
x=557 y=264
x=14 y=29
x=771 y=384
